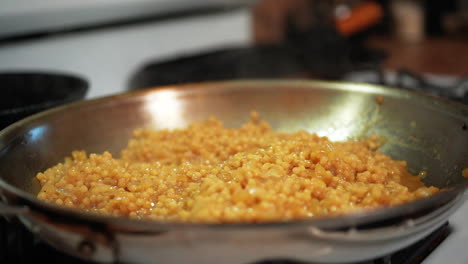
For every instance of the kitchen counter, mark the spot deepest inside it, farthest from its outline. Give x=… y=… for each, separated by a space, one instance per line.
x=435 y=55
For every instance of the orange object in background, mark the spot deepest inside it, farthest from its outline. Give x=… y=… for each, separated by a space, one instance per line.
x=361 y=17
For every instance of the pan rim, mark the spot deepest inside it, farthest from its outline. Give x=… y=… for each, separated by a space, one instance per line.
x=7 y=134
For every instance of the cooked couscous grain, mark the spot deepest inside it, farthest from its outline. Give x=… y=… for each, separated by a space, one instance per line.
x=208 y=173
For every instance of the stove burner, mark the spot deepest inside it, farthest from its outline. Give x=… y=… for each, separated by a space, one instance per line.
x=19 y=246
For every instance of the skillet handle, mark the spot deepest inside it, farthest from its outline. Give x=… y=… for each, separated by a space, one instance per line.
x=7 y=210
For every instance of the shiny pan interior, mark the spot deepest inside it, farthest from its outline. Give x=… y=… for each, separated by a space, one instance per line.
x=429 y=133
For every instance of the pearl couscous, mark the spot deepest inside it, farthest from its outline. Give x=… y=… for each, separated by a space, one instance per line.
x=211 y=174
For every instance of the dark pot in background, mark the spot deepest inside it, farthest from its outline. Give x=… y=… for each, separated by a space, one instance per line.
x=23 y=94
x=26 y=93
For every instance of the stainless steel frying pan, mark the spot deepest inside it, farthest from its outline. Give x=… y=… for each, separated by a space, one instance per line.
x=430 y=133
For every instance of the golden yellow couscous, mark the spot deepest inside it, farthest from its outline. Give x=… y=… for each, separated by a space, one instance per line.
x=211 y=174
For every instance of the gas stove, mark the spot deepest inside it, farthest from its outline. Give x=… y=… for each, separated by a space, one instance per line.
x=137 y=57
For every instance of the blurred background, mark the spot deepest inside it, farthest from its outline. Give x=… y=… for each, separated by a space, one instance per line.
x=121 y=45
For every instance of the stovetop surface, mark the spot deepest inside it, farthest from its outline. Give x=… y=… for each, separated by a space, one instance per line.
x=17 y=245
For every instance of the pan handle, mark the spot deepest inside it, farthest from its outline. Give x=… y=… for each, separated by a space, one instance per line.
x=8 y=210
